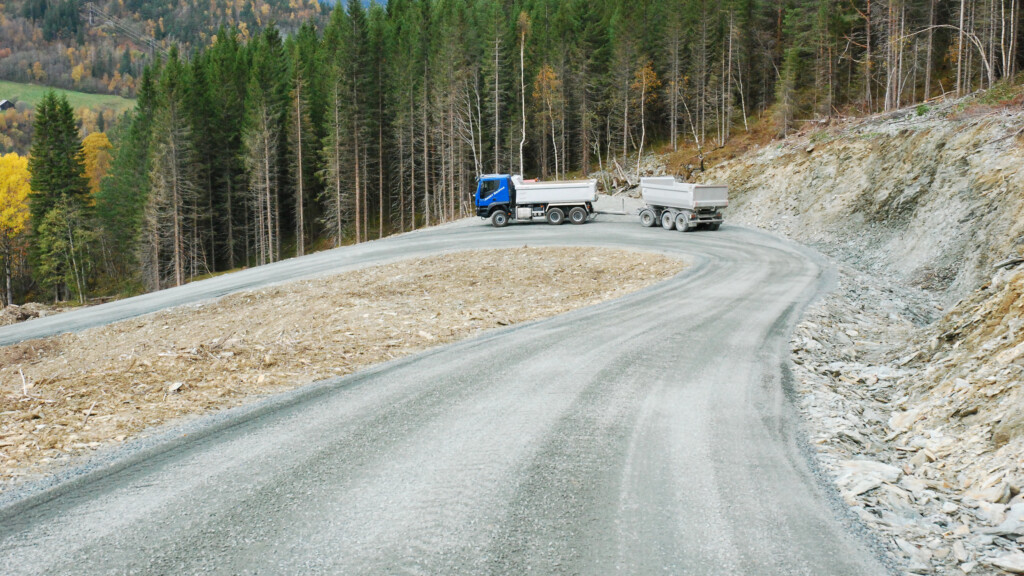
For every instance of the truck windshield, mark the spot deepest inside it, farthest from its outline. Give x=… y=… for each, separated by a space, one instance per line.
x=489 y=187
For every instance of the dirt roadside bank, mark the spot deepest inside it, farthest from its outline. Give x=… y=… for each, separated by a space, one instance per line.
x=64 y=396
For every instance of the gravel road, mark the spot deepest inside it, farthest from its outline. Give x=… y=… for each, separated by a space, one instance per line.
x=651 y=434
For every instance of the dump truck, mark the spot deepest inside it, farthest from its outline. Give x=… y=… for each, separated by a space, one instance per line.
x=503 y=198
x=681 y=205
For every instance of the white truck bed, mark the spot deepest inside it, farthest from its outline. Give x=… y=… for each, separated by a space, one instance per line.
x=568 y=192
x=665 y=192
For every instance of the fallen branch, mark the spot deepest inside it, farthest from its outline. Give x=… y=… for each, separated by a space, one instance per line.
x=88 y=413
x=1008 y=136
x=1010 y=263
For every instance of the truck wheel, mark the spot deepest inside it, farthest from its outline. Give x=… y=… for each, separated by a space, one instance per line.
x=683 y=223
x=647 y=218
x=556 y=216
x=668 y=220
x=714 y=226
x=499 y=219
x=578 y=215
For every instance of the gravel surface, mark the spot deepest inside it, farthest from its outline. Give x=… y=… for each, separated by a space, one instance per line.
x=655 y=432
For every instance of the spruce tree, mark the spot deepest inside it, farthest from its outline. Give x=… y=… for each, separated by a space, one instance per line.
x=58 y=184
x=124 y=192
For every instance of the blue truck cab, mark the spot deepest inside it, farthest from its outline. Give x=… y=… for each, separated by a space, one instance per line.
x=493 y=192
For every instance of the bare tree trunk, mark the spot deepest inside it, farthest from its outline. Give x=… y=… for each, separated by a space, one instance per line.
x=300 y=233
x=336 y=176
x=584 y=124
x=960 y=51
x=868 y=65
x=74 y=261
x=426 y=158
x=366 y=195
x=643 y=120
x=497 y=108
x=554 y=142
x=7 y=278
x=401 y=180
x=176 y=219
x=728 y=83
x=1011 y=69
x=674 y=92
x=268 y=201
x=625 y=120
x=231 y=224
x=522 y=91
x=380 y=175
x=358 y=183
x=245 y=230
x=928 y=56
x=743 y=100
x=412 y=157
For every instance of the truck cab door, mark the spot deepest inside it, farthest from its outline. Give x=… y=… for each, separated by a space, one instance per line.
x=492 y=191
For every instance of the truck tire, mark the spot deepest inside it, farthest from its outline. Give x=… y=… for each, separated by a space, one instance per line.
x=668 y=220
x=499 y=219
x=683 y=223
x=714 y=226
x=578 y=215
x=556 y=216
x=647 y=218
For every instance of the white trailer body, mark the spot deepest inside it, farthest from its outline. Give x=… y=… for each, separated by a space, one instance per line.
x=554 y=193
x=682 y=205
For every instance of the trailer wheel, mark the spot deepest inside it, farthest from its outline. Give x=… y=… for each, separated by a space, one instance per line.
x=668 y=220
x=683 y=223
x=556 y=216
x=647 y=218
x=714 y=226
x=499 y=219
x=578 y=215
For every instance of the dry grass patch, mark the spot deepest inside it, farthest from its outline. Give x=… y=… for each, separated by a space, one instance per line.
x=68 y=394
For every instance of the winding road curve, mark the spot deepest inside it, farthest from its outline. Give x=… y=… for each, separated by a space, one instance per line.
x=650 y=434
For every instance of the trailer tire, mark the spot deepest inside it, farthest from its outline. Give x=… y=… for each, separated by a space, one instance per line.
x=578 y=215
x=556 y=216
x=647 y=218
x=499 y=219
x=683 y=222
x=668 y=220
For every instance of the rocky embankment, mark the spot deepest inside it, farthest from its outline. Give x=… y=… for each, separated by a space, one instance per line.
x=934 y=200
x=911 y=373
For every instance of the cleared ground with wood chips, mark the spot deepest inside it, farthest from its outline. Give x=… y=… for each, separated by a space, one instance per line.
x=66 y=395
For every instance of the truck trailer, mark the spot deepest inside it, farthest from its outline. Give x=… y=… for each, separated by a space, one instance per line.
x=503 y=198
x=680 y=205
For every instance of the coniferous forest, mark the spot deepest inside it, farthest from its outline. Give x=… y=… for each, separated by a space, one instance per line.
x=362 y=122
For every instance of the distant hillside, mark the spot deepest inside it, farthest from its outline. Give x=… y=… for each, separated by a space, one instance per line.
x=54 y=42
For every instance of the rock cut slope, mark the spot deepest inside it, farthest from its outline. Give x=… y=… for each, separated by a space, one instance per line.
x=934 y=199
x=910 y=373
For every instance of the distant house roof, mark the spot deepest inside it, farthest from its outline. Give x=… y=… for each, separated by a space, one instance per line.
x=6 y=104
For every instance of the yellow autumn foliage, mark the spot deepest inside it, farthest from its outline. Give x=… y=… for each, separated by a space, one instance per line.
x=97 y=158
x=14 y=188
